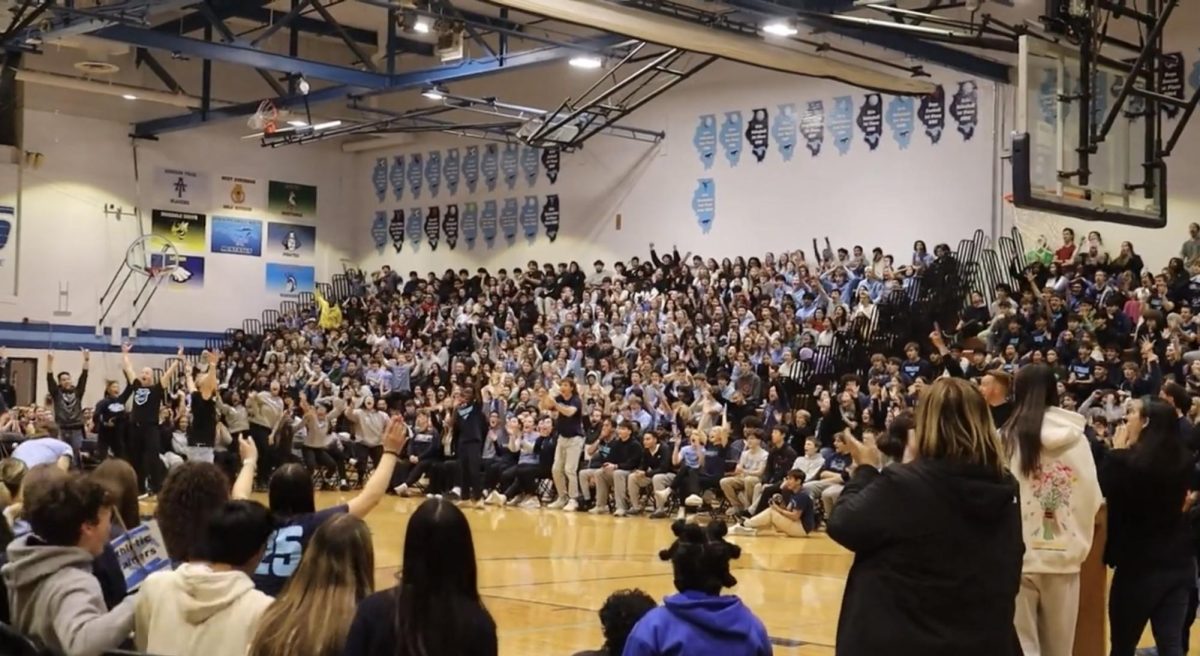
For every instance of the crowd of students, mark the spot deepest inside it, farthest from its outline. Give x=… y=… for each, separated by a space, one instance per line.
x=666 y=387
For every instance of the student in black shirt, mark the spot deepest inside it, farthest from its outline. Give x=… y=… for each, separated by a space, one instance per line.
x=569 y=427
x=111 y=423
x=145 y=440
x=468 y=426
x=202 y=431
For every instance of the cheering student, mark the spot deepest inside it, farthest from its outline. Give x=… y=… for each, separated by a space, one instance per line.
x=1150 y=547
x=937 y=541
x=1060 y=495
x=291 y=496
x=208 y=605
x=435 y=608
x=68 y=401
x=145 y=439
x=569 y=427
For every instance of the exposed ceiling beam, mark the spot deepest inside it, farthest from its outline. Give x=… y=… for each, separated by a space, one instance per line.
x=445 y=74
x=242 y=54
x=266 y=16
x=672 y=32
x=907 y=44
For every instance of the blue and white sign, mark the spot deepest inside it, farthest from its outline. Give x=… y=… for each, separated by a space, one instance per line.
x=396 y=229
x=450 y=225
x=487 y=222
x=490 y=167
x=510 y=164
x=140 y=553
x=705 y=140
x=452 y=171
x=551 y=216
x=870 y=120
x=416 y=173
x=841 y=123
x=530 y=165
x=812 y=126
x=470 y=168
x=508 y=219
x=236 y=236
x=416 y=221
x=470 y=223
x=731 y=137
x=900 y=119
x=758 y=133
x=379 y=230
x=704 y=203
x=396 y=177
x=964 y=108
x=433 y=172
x=379 y=178
x=433 y=226
x=784 y=131
x=529 y=217
x=552 y=162
x=932 y=114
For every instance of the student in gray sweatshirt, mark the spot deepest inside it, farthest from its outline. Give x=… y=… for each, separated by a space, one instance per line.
x=55 y=598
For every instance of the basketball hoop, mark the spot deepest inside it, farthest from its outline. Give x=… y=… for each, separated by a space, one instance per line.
x=265 y=118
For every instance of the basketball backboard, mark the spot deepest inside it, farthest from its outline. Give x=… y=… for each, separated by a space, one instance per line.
x=1114 y=182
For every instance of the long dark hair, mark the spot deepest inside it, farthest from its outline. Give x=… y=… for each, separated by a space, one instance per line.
x=1035 y=390
x=1159 y=447
x=290 y=491
x=438 y=584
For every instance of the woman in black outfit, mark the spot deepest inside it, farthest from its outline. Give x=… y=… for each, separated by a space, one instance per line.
x=435 y=610
x=937 y=541
x=1145 y=480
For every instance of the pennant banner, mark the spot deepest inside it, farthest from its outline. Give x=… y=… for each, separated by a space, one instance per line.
x=396 y=229
x=433 y=224
x=450 y=225
x=487 y=222
x=551 y=161
x=379 y=230
x=508 y=219
x=470 y=223
x=550 y=216
x=396 y=177
x=452 y=170
x=529 y=217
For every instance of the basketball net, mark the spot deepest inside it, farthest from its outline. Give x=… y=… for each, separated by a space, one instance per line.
x=265 y=118
x=1037 y=228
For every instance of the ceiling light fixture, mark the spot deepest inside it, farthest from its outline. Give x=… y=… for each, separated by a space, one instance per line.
x=326 y=125
x=780 y=28
x=298 y=124
x=129 y=96
x=435 y=94
x=421 y=27
x=587 y=62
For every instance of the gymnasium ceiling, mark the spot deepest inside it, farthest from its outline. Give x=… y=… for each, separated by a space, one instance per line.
x=157 y=51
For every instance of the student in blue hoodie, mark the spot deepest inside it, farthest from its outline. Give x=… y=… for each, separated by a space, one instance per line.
x=700 y=621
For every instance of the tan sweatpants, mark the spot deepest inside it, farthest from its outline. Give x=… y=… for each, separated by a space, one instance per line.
x=1047 y=609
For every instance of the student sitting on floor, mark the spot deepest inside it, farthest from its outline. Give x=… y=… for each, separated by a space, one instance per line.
x=789 y=512
x=700 y=621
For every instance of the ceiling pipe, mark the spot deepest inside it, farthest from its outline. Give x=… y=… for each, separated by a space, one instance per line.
x=87 y=85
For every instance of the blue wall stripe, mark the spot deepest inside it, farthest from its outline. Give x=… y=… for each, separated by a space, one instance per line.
x=31 y=329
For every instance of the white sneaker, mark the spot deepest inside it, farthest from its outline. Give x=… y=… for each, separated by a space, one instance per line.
x=531 y=503
x=738 y=529
x=572 y=506
x=598 y=510
x=662 y=497
x=681 y=514
x=491 y=499
x=401 y=490
x=558 y=504
x=620 y=513
x=693 y=501
x=456 y=491
x=510 y=502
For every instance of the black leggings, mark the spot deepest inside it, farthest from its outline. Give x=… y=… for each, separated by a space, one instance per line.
x=493 y=472
x=266 y=453
x=522 y=479
x=691 y=481
x=320 y=457
x=363 y=453
x=146 y=456
x=470 y=458
x=443 y=475
x=1154 y=594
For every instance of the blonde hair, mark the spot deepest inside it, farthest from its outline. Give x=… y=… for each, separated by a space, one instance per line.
x=312 y=615
x=953 y=423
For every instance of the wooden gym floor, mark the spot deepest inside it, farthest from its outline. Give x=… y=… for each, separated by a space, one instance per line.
x=544 y=574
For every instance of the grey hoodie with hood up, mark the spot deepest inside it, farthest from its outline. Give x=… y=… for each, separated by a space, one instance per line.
x=56 y=599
